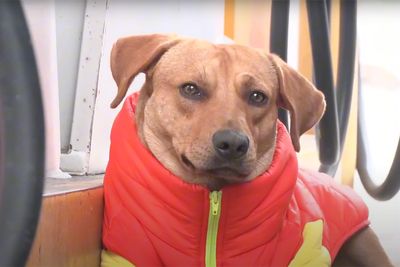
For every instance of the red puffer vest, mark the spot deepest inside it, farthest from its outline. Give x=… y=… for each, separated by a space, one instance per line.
x=153 y=218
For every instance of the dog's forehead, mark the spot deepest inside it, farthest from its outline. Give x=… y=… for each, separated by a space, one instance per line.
x=192 y=53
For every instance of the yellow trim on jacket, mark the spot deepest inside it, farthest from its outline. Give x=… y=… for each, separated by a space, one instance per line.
x=312 y=252
x=110 y=259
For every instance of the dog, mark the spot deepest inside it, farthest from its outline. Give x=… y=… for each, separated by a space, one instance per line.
x=208 y=114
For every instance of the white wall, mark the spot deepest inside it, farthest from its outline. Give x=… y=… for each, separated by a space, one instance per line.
x=379 y=42
x=69 y=26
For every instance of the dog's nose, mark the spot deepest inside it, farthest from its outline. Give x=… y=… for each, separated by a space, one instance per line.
x=230 y=144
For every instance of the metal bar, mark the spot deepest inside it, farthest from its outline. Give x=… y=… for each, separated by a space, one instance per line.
x=328 y=126
x=391 y=184
x=346 y=67
x=279 y=39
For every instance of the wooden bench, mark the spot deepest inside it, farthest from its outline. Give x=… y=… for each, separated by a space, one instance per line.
x=69 y=230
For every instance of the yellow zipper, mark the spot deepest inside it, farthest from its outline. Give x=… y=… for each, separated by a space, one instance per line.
x=212 y=229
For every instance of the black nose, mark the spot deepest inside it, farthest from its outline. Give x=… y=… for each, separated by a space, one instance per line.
x=230 y=144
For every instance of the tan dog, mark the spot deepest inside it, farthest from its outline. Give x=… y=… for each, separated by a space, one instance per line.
x=208 y=113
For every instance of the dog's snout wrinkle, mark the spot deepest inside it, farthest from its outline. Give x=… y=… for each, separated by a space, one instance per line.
x=230 y=144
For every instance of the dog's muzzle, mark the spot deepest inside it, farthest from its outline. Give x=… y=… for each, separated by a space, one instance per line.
x=230 y=144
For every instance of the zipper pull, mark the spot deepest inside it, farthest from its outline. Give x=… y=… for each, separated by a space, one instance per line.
x=214 y=202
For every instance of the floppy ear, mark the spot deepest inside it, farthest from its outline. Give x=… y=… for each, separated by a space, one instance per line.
x=135 y=54
x=305 y=103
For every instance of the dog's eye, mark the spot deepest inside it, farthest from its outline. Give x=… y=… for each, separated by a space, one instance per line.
x=257 y=98
x=191 y=91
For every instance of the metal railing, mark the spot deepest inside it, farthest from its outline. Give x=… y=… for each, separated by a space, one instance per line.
x=331 y=131
x=391 y=185
x=279 y=39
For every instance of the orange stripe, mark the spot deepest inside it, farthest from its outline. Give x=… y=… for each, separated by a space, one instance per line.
x=229 y=21
x=305 y=62
x=260 y=24
x=334 y=32
x=242 y=22
x=349 y=158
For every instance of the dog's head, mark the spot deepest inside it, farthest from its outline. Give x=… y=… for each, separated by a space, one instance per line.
x=208 y=112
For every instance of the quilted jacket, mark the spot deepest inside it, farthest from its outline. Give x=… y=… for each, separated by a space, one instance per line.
x=285 y=217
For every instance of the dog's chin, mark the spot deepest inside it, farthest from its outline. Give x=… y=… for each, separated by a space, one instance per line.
x=228 y=175
x=231 y=175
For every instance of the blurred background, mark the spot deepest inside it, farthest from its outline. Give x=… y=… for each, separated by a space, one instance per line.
x=72 y=41
x=378 y=26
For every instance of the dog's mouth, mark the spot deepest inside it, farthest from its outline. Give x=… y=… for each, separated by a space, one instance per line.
x=223 y=171
x=187 y=162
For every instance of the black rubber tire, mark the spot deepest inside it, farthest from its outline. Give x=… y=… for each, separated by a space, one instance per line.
x=21 y=138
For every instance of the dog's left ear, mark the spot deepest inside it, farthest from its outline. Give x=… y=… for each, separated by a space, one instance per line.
x=305 y=103
x=135 y=54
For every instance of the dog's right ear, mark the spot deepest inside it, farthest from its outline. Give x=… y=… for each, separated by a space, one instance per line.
x=135 y=54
